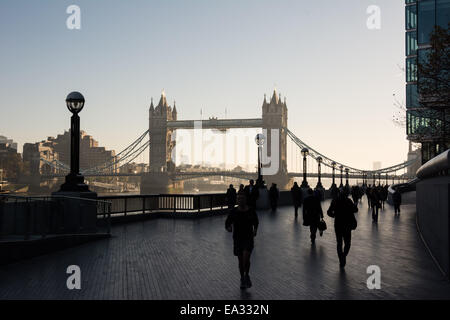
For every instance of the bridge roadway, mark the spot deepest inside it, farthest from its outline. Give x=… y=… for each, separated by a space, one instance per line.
x=192 y=259
x=182 y=175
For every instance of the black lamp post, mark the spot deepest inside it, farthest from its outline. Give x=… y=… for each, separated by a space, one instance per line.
x=259 y=139
x=379 y=178
x=305 y=153
x=319 y=172
x=333 y=167
x=341 y=167
x=74 y=180
x=387 y=179
x=346 y=178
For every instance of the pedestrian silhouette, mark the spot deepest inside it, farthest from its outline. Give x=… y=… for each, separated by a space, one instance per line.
x=312 y=213
x=397 y=200
x=274 y=194
x=375 y=203
x=297 y=197
x=252 y=194
x=342 y=209
x=231 y=197
x=243 y=222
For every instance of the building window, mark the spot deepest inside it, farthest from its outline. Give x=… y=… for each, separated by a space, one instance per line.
x=411 y=69
x=443 y=13
x=411 y=43
x=412 y=100
x=427 y=20
x=411 y=17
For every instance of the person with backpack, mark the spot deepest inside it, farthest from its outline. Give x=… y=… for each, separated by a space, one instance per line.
x=343 y=210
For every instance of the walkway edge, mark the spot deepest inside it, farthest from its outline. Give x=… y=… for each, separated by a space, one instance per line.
x=429 y=250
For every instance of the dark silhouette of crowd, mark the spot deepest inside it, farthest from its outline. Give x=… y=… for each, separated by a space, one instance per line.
x=243 y=220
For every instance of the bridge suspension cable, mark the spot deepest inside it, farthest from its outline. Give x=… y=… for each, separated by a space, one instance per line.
x=329 y=162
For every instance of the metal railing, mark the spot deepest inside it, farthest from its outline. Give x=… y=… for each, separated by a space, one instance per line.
x=25 y=218
x=144 y=204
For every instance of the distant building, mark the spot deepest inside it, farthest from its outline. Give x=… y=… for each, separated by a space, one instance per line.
x=41 y=158
x=10 y=160
x=57 y=151
x=5 y=141
x=376 y=165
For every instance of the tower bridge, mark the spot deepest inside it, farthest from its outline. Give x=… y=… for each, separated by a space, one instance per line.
x=160 y=140
x=163 y=122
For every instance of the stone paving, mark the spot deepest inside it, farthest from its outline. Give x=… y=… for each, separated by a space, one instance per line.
x=192 y=259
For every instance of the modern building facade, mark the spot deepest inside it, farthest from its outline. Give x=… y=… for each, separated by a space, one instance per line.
x=421 y=16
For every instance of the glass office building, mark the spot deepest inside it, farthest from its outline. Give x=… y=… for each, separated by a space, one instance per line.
x=421 y=16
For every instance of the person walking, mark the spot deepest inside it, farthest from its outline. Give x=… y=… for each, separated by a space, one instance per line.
x=342 y=209
x=274 y=194
x=243 y=222
x=355 y=194
x=252 y=193
x=397 y=200
x=231 y=197
x=368 y=194
x=297 y=197
x=312 y=213
x=375 y=203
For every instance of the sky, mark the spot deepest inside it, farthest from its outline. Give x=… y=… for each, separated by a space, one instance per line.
x=338 y=76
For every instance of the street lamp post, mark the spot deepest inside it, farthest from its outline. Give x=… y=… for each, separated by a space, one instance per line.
x=305 y=153
x=341 y=167
x=387 y=179
x=259 y=139
x=319 y=172
x=74 y=180
x=379 y=178
x=333 y=168
x=346 y=178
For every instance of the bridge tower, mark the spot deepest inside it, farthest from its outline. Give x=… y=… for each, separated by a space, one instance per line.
x=274 y=116
x=157 y=180
x=161 y=144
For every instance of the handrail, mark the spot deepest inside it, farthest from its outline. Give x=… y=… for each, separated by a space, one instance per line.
x=51 y=197
x=436 y=166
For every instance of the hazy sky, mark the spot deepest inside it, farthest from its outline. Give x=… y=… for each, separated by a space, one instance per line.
x=337 y=75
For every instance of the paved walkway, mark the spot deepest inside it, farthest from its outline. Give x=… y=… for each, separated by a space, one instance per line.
x=192 y=259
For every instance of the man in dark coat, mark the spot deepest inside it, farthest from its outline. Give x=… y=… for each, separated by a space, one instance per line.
x=231 y=197
x=274 y=194
x=342 y=209
x=297 y=197
x=312 y=213
x=252 y=193
x=397 y=200
x=243 y=222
